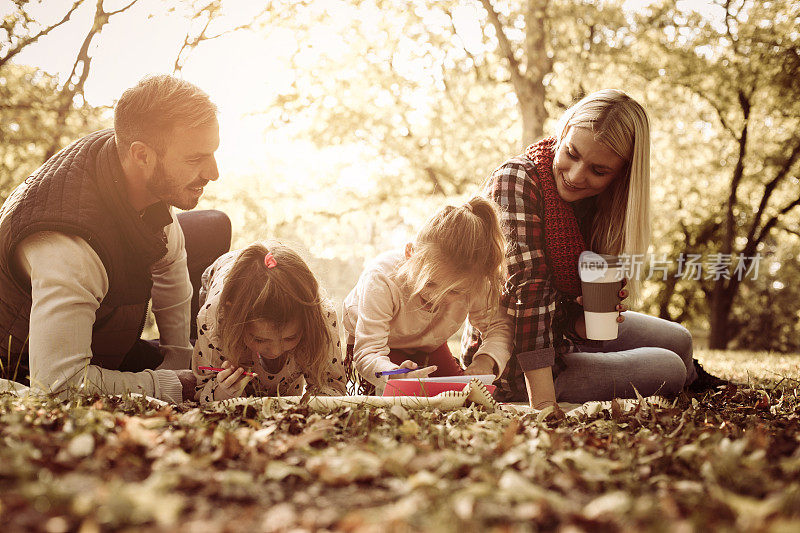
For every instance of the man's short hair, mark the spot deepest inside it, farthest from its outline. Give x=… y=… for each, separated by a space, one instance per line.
x=150 y=110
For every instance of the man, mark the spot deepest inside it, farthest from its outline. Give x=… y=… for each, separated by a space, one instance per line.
x=90 y=237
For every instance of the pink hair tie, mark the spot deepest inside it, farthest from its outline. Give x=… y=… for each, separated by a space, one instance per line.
x=269 y=261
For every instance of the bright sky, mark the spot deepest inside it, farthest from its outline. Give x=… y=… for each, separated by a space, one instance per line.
x=242 y=72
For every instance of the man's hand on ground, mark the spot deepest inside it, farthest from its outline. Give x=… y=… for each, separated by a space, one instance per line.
x=188 y=382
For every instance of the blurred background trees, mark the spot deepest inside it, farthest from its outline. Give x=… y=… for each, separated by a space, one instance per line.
x=742 y=70
x=385 y=110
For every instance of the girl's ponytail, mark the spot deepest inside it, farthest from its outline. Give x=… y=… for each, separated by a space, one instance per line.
x=495 y=252
x=464 y=245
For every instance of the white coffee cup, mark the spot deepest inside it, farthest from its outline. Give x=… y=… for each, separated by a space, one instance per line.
x=601 y=281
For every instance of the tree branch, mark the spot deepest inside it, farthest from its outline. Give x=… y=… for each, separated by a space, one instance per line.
x=771 y=223
x=110 y=13
x=505 y=45
x=722 y=120
x=691 y=87
x=770 y=187
x=478 y=73
x=787 y=230
x=83 y=60
x=30 y=40
x=190 y=43
x=738 y=174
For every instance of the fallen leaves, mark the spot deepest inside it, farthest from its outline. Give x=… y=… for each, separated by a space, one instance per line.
x=508 y=436
x=342 y=467
x=729 y=459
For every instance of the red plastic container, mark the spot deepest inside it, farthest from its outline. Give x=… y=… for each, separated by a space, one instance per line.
x=399 y=387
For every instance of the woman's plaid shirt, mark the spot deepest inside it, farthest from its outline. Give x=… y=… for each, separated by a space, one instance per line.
x=539 y=310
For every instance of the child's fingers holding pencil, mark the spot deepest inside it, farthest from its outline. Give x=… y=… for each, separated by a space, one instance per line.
x=423 y=372
x=227 y=370
x=232 y=385
x=229 y=382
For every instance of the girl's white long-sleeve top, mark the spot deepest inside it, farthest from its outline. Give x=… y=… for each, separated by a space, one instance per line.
x=380 y=314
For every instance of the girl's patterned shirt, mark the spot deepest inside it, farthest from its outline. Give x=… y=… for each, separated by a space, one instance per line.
x=290 y=380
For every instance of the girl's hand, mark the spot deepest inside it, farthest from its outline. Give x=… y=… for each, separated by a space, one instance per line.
x=423 y=372
x=230 y=382
x=188 y=382
x=544 y=405
x=482 y=364
x=557 y=413
x=420 y=373
x=580 y=325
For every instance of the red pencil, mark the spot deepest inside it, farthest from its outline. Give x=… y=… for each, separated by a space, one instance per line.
x=213 y=369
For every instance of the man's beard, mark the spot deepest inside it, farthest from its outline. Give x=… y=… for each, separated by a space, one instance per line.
x=164 y=187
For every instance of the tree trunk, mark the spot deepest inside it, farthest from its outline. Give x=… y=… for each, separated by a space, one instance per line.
x=721 y=303
x=531 y=94
x=532 y=110
x=527 y=79
x=665 y=296
x=724 y=291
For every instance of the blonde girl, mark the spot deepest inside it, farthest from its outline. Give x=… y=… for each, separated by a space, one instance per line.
x=263 y=321
x=586 y=188
x=407 y=303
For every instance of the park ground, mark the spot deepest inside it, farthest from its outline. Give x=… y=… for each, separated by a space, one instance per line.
x=728 y=460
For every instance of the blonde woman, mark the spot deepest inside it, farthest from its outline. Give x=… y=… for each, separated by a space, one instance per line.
x=264 y=329
x=587 y=188
x=407 y=303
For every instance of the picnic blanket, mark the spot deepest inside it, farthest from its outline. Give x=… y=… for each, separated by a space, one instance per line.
x=473 y=392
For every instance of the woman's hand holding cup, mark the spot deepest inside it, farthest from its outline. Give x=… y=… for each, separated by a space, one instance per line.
x=622 y=295
x=602 y=283
x=580 y=324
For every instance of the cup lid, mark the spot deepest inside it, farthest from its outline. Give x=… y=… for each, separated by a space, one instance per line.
x=595 y=261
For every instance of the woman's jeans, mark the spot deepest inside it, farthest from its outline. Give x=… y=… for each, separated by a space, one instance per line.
x=651 y=354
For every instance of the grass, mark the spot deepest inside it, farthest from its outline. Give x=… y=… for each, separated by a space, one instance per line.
x=755 y=368
x=728 y=460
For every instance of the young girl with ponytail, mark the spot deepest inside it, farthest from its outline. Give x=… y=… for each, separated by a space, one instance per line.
x=407 y=303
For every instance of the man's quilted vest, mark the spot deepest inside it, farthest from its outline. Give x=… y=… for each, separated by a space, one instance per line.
x=81 y=191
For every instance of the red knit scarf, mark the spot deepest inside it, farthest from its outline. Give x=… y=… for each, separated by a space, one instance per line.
x=563 y=239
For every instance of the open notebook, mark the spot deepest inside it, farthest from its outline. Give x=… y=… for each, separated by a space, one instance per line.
x=486 y=379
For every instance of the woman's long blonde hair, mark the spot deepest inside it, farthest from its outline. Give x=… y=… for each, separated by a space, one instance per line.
x=286 y=293
x=464 y=245
x=622 y=222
